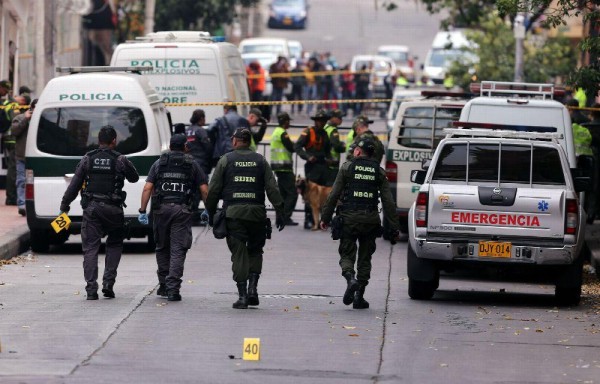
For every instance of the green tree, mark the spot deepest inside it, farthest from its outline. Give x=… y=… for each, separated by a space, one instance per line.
x=492 y=56
x=205 y=15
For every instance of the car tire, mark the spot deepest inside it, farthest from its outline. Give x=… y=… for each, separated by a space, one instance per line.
x=39 y=240
x=419 y=289
x=568 y=288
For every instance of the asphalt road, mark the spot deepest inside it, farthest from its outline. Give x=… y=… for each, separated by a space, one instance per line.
x=471 y=332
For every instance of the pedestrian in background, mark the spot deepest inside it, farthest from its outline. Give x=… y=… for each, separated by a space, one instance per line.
x=20 y=126
x=241 y=178
x=360 y=217
x=222 y=128
x=311 y=83
x=361 y=86
x=348 y=87
x=256 y=81
x=198 y=142
x=7 y=113
x=173 y=182
x=282 y=164
x=298 y=81
x=281 y=69
x=100 y=176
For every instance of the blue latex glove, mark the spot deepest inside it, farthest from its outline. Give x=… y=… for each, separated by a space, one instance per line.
x=143 y=218
x=204 y=216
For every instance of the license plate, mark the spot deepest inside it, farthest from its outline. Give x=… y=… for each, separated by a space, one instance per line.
x=494 y=249
x=287 y=21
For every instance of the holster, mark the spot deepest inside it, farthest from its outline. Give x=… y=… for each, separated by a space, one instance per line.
x=337 y=225
x=268 y=229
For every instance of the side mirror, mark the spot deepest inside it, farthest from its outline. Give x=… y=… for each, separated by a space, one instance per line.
x=425 y=163
x=582 y=181
x=417 y=176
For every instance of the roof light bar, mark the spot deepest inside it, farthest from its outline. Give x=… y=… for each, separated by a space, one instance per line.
x=430 y=93
x=92 y=69
x=505 y=127
x=501 y=88
x=508 y=134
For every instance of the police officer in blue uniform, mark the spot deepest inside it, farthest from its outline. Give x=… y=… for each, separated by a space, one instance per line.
x=173 y=182
x=100 y=176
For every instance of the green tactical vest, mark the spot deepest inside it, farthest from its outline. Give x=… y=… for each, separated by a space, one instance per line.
x=281 y=158
x=334 y=154
x=252 y=146
x=583 y=140
x=350 y=138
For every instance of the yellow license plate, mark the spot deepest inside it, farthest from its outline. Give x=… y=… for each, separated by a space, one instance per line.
x=494 y=249
x=287 y=21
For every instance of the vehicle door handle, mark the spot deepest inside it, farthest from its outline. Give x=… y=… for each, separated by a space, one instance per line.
x=497 y=198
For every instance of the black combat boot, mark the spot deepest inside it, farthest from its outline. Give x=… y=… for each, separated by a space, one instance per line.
x=359 y=301
x=92 y=295
x=242 y=302
x=351 y=288
x=252 y=290
x=162 y=290
x=107 y=291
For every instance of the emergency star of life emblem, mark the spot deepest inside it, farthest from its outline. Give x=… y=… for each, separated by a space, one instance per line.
x=543 y=205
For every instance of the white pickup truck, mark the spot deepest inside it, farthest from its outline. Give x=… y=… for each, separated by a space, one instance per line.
x=499 y=197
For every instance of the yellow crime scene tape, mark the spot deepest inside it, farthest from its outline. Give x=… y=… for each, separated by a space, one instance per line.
x=286 y=102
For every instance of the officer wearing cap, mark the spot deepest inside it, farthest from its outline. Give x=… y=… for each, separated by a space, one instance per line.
x=256 y=119
x=241 y=179
x=173 y=182
x=359 y=185
x=337 y=146
x=361 y=127
x=314 y=146
x=282 y=148
x=100 y=176
x=8 y=111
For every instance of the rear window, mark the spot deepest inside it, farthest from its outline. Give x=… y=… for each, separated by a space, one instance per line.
x=74 y=131
x=495 y=162
x=422 y=127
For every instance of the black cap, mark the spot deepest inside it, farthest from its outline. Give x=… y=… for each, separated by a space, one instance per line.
x=256 y=111
x=283 y=116
x=5 y=84
x=320 y=115
x=242 y=134
x=367 y=145
x=362 y=119
x=24 y=89
x=336 y=113
x=178 y=141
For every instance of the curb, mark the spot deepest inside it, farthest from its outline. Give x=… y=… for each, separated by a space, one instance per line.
x=14 y=242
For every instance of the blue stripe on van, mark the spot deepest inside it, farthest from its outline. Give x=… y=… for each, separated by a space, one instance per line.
x=52 y=166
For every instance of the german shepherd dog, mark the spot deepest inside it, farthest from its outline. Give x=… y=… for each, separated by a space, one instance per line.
x=315 y=195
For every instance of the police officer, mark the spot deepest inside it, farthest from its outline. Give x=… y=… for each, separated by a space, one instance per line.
x=241 y=178
x=173 y=182
x=337 y=146
x=282 y=148
x=361 y=127
x=198 y=142
x=101 y=173
x=359 y=185
x=256 y=119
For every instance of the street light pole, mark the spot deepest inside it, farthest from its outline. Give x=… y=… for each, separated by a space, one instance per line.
x=519 y=29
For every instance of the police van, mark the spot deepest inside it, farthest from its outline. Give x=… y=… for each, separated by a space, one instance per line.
x=500 y=198
x=64 y=127
x=188 y=67
x=416 y=132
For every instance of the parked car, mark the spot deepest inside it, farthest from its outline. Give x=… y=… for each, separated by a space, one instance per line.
x=401 y=56
x=288 y=14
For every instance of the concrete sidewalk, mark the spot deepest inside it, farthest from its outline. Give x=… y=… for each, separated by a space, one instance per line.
x=14 y=233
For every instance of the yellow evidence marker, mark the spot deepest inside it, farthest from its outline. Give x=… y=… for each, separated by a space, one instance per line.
x=251 y=349
x=61 y=222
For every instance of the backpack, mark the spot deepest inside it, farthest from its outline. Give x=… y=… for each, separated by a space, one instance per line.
x=222 y=138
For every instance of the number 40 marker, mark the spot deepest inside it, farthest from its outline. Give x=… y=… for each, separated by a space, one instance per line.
x=251 y=349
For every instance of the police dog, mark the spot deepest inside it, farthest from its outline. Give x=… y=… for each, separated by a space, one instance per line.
x=315 y=195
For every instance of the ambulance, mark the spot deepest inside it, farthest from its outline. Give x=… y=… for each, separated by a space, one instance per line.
x=64 y=127
x=190 y=71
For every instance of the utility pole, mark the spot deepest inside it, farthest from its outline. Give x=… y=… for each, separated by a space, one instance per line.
x=519 y=29
x=149 y=11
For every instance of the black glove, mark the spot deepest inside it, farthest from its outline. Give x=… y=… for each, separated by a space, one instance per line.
x=279 y=223
x=65 y=208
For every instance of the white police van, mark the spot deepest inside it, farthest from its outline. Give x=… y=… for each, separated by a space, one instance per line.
x=65 y=125
x=188 y=67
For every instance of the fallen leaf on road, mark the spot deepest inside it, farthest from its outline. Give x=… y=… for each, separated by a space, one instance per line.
x=539 y=330
x=353 y=335
x=444 y=365
x=297 y=308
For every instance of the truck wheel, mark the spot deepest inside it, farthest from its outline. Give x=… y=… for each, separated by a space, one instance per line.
x=39 y=240
x=421 y=290
x=568 y=286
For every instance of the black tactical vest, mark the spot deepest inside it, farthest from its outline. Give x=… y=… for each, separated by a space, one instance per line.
x=244 y=179
x=174 y=180
x=362 y=190
x=103 y=182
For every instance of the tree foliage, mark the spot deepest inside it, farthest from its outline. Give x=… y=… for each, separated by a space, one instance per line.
x=205 y=15
x=546 y=60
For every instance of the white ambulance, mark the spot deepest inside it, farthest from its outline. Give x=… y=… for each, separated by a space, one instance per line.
x=188 y=68
x=64 y=127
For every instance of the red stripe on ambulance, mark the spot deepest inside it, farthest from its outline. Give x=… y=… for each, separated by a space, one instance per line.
x=495 y=219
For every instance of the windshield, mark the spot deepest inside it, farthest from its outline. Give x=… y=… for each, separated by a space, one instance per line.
x=483 y=160
x=275 y=48
x=443 y=57
x=399 y=57
x=288 y=3
x=422 y=127
x=74 y=131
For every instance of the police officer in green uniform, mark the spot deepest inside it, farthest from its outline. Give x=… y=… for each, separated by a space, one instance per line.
x=337 y=146
x=241 y=179
x=101 y=173
x=174 y=181
x=256 y=119
x=7 y=113
x=361 y=127
x=360 y=184
x=282 y=148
